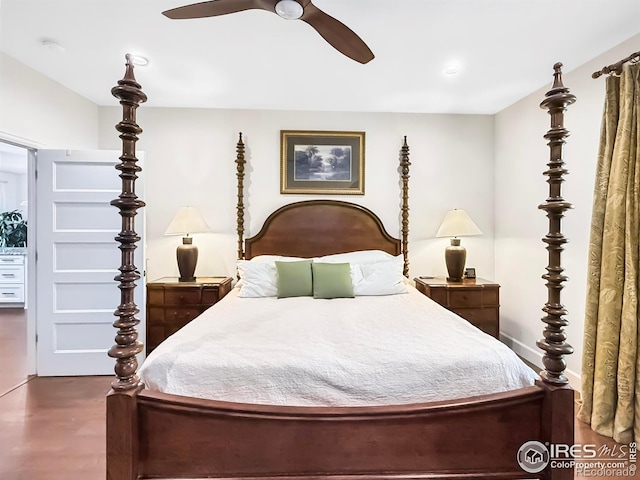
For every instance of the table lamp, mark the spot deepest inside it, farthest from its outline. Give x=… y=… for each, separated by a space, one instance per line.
x=456 y=223
x=185 y=222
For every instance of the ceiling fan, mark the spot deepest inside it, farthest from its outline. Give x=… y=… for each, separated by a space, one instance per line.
x=341 y=37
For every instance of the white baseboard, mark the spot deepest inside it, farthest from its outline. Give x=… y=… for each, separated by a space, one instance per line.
x=534 y=356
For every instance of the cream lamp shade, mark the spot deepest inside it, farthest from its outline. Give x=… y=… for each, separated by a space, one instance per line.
x=185 y=222
x=456 y=223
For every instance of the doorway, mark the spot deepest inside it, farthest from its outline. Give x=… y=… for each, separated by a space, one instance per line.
x=75 y=226
x=15 y=351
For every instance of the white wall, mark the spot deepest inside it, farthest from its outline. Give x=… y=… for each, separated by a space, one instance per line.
x=22 y=195
x=521 y=157
x=36 y=111
x=190 y=157
x=14 y=191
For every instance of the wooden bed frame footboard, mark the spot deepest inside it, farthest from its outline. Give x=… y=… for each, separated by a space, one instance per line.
x=156 y=435
x=167 y=436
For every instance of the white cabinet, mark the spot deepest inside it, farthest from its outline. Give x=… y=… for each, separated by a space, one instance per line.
x=11 y=279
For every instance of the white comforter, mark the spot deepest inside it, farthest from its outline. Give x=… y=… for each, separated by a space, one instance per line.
x=385 y=350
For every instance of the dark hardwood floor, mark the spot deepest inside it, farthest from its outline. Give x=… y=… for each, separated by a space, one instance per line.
x=54 y=429
x=13 y=348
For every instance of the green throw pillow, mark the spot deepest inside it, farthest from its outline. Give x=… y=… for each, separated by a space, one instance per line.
x=332 y=280
x=294 y=279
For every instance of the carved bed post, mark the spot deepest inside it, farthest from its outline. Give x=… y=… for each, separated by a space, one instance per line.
x=404 y=165
x=122 y=409
x=240 y=162
x=554 y=342
x=127 y=345
x=558 y=406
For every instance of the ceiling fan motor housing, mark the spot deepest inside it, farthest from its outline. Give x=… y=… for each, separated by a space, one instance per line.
x=289 y=9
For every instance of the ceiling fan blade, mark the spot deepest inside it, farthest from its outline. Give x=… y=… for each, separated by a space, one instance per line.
x=341 y=37
x=214 y=8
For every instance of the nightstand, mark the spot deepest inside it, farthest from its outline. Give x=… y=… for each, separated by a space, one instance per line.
x=172 y=304
x=476 y=300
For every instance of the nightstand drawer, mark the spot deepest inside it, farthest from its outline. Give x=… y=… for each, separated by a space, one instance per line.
x=471 y=314
x=491 y=296
x=478 y=314
x=172 y=304
x=437 y=294
x=211 y=296
x=169 y=316
x=180 y=315
x=477 y=301
x=490 y=328
x=182 y=296
x=465 y=298
x=155 y=335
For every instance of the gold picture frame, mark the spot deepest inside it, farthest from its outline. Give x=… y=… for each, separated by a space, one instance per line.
x=322 y=162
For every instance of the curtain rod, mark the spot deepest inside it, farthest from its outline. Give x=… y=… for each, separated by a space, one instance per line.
x=617 y=67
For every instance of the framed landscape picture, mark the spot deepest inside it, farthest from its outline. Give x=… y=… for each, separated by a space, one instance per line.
x=322 y=163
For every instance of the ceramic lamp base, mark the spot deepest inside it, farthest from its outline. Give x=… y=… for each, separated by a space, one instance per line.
x=187 y=255
x=455 y=257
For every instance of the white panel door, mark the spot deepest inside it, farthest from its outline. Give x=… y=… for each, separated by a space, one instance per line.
x=77 y=260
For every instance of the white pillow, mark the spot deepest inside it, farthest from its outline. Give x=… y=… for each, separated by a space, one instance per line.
x=258 y=276
x=373 y=272
x=257 y=279
x=381 y=278
x=361 y=257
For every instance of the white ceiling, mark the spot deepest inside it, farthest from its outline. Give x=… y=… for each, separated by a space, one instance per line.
x=256 y=60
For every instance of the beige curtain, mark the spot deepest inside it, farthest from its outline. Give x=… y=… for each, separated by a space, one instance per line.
x=611 y=358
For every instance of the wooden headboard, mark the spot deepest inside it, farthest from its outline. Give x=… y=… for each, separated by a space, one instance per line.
x=321 y=227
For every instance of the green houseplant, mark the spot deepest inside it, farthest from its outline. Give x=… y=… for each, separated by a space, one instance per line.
x=13 y=229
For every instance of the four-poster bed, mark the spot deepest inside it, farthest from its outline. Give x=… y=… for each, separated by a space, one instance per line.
x=158 y=435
